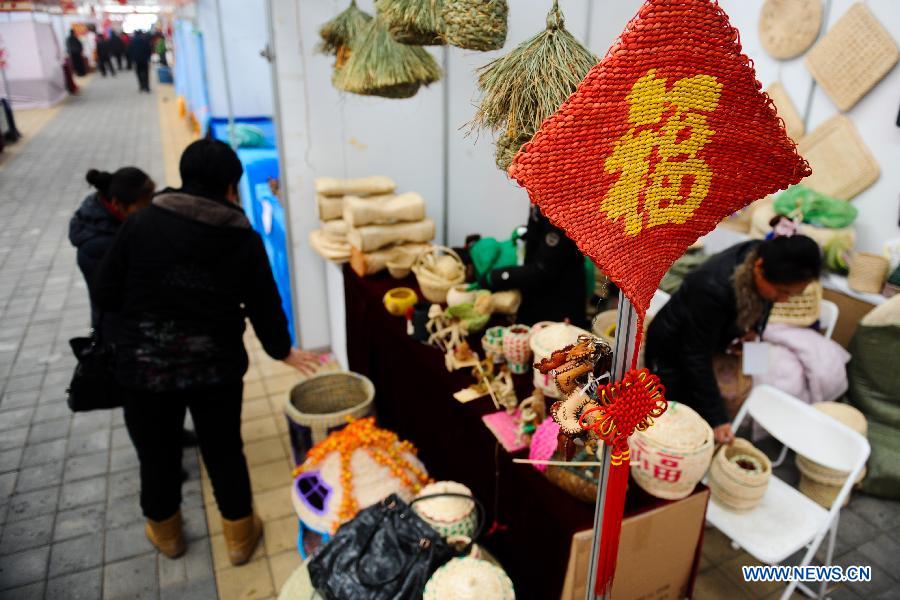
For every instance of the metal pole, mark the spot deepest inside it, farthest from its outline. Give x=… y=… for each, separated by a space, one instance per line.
x=225 y=76
x=626 y=331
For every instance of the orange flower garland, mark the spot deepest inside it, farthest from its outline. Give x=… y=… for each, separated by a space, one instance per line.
x=383 y=446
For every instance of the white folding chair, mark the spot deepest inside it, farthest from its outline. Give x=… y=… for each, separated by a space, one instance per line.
x=828 y=317
x=787 y=521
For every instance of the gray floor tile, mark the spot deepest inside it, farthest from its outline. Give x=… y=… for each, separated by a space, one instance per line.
x=124 y=483
x=86 y=585
x=201 y=589
x=135 y=578
x=40 y=477
x=124 y=511
x=24 y=567
x=7 y=485
x=89 y=443
x=77 y=554
x=49 y=430
x=45 y=452
x=29 y=533
x=10 y=459
x=13 y=438
x=79 y=521
x=123 y=458
x=15 y=418
x=85 y=491
x=125 y=542
x=19 y=399
x=32 y=591
x=50 y=411
x=87 y=465
x=882 y=581
x=32 y=504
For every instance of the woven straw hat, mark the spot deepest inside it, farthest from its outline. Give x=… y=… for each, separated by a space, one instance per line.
x=449 y=515
x=788 y=27
x=469 y=579
x=669 y=458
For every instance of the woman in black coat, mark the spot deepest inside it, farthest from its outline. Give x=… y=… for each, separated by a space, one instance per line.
x=75 y=49
x=184 y=275
x=721 y=304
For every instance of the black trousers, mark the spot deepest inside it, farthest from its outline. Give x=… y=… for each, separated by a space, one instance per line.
x=105 y=64
x=155 y=421
x=143 y=74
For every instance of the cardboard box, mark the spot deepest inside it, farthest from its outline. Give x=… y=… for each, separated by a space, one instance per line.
x=658 y=553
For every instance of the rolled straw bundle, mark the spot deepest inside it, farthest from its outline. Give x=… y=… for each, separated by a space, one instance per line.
x=380 y=66
x=529 y=84
x=337 y=33
x=414 y=22
x=475 y=24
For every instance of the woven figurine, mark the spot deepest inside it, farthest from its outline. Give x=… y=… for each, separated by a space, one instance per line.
x=668 y=135
x=524 y=87
x=338 y=33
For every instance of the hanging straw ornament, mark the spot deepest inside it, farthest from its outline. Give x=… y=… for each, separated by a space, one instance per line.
x=380 y=66
x=475 y=24
x=415 y=22
x=338 y=33
x=668 y=135
x=527 y=85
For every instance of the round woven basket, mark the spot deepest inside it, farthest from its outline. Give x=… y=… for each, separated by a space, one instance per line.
x=322 y=403
x=820 y=483
x=449 y=516
x=469 y=579
x=437 y=270
x=672 y=456
x=544 y=342
x=868 y=272
x=475 y=24
x=801 y=310
x=739 y=475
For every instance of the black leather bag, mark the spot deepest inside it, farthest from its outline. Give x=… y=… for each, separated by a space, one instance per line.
x=386 y=552
x=93 y=385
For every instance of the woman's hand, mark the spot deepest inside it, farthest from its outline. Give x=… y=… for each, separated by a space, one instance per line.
x=724 y=434
x=303 y=361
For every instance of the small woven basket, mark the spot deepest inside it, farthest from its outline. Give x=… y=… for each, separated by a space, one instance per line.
x=801 y=310
x=868 y=272
x=437 y=270
x=321 y=404
x=580 y=482
x=672 y=456
x=820 y=483
x=475 y=24
x=449 y=516
x=739 y=475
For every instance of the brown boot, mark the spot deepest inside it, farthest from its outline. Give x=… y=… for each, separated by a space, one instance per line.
x=241 y=537
x=166 y=535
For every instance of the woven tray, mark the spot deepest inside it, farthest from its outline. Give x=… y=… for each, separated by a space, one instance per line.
x=852 y=57
x=788 y=27
x=842 y=165
x=793 y=122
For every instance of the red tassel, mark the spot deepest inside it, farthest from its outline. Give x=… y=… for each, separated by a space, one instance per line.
x=613 y=511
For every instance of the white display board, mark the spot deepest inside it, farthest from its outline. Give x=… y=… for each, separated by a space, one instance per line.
x=34 y=64
x=422 y=142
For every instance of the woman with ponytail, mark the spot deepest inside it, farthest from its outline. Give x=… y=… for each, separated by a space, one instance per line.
x=721 y=304
x=94 y=225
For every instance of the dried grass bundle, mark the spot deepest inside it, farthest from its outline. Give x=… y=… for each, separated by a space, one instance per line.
x=338 y=33
x=380 y=66
x=529 y=84
x=475 y=24
x=416 y=22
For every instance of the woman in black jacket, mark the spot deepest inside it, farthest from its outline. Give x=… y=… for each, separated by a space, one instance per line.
x=721 y=304
x=184 y=274
x=94 y=225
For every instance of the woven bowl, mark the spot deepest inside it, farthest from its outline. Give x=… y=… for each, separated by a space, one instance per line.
x=449 y=516
x=739 y=475
x=437 y=270
x=868 y=272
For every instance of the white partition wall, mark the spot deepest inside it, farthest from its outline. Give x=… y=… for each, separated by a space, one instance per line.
x=422 y=142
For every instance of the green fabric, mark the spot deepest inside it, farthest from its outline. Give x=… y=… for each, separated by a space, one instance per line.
x=671 y=281
x=471 y=319
x=248 y=136
x=590 y=277
x=875 y=390
x=488 y=254
x=894 y=279
x=818 y=209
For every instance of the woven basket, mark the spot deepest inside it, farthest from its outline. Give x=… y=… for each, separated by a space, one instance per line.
x=413 y=22
x=852 y=56
x=544 y=342
x=580 y=482
x=469 y=578
x=733 y=486
x=801 y=310
x=788 y=27
x=321 y=404
x=669 y=458
x=437 y=270
x=842 y=164
x=475 y=24
x=868 y=272
x=818 y=482
x=449 y=516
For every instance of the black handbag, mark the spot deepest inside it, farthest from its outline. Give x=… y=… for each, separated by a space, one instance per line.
x=386 y=552
x=93 y=385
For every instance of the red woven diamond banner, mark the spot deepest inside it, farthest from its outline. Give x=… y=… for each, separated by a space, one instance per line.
x=669 y=134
